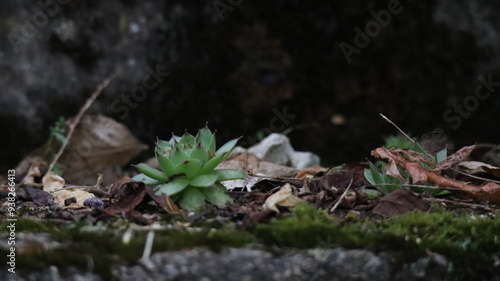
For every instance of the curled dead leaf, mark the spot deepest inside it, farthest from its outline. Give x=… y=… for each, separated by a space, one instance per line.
x=489 y=192
x=459 y=156
x=54 y=184
x=282 y=198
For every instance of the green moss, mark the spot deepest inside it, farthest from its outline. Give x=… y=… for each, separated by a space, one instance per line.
x=31 y=225
x=306 y=227
x=211 y=239
x=81 y=243
x=466 y=240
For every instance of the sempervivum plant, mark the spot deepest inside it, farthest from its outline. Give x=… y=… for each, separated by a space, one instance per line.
x=188 y=173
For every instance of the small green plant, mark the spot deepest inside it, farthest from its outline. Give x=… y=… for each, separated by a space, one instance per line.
x=376 y=174
x=56 y=138
x=188 y=173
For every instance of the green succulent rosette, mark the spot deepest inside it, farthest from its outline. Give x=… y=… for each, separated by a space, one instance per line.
x=188 y=173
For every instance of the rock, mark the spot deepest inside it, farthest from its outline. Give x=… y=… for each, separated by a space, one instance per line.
x=257 y=264
x=276 y=148
x=301 y=160
x=251 y=264
x=433 y=268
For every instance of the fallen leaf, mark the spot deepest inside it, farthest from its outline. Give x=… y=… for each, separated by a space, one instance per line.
x=126 y=194
x=399 y=202
x=473 y=167
x=39 y=197
x=252 y=218
x=392 y=169
x=99 y=145
x=489 y=192
x=416 y=172
x=54 y=184
x=282 y=198
x=457 y=157
x=254 y=167
x=310 y=172
x=164 y=201
x=252 y=164
x=36 y=170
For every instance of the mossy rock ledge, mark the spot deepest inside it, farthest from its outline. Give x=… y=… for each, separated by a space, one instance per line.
x=306 y=244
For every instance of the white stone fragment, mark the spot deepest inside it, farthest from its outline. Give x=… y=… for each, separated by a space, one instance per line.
x=301 y=159
x=275 y=148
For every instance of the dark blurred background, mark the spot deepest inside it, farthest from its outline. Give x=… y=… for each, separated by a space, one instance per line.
x=321 y=70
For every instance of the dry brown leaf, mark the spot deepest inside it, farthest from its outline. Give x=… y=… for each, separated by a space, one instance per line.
x=36 y=170
x=457 y=157
x=126 y=194
x=400 y=202
x=39 y=197
x=253 y=165
x=164 y=201
x=473 y=167
x=489 y=191
x=416 y=173
x=392 y=169
x=310 y=172
x=99 y=145
x=282 y=198
x=54 y=184
x=414 y=156
x=494 y=171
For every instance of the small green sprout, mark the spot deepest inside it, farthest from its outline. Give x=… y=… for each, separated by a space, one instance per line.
x=56 y=138
x=188 y=173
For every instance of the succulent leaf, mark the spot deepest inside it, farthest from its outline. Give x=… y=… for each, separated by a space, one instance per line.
x=191 y=198
x=227 y=147
x=151 y=172
x=207 y=139
x=166 y=165
x=188 y=140
x=217 y=195
x=178 y=156
x=174 y=139
x=175 y=186
x=190 y=168
x=161 y=144
x=206 y=180
x=229 y=174
x=199 y=153
x=212 y=163
x=146 y=180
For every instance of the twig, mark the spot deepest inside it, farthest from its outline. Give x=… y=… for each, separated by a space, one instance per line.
x=401 y=131
x=95 y=189
x=341 y=197
x=463 y=204
x=474 y=177
x=77 y=118
x=148 y=246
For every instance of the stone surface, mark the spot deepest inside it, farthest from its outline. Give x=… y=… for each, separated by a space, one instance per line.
x=303 y=159
x=250 y=264
x=254 y=264
x=276 y=148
